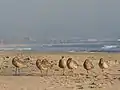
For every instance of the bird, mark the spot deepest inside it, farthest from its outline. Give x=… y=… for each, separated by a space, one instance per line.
x=6 y=56
x=27 y=59
x=102 y=64
x=38 y=64
x=18 y=64
x=43 y=65
x=71 y=64
x=88 y=65
x=62 y=64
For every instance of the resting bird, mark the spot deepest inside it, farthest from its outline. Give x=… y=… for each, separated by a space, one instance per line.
x=71 y=64
x=43 y=65
x=18 y=64
x=62 y=64
x=102 y=64
x=88 y=65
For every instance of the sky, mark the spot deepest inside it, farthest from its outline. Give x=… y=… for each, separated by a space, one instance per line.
x=61 y=19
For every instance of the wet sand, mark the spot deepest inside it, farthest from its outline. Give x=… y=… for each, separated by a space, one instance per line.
x=30 y=77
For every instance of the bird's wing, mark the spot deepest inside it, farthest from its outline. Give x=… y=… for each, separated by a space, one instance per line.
x=75 y=63
x=91 y=65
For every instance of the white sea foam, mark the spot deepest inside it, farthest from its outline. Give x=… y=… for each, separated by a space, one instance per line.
x=7 y=49
x=109 y=46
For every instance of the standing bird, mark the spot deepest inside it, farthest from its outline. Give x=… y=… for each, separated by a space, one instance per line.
x=62 y=64
x=43 y=65
x=18 y=64
x=71 y=64
x=102 y=64
x=88 y=65
x=39 y=65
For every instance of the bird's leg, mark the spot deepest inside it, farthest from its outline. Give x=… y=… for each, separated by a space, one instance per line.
x=63 y=71
x=94 y=74
x=87 y=73
x=46 y=72
x=53 y=72
x=18 y=71
x=102 y=70
x=71 y=72
x=41 y=72
x=103 y=73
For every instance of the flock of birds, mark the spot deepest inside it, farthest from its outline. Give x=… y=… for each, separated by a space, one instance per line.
x=45 y=65
x=64 y=63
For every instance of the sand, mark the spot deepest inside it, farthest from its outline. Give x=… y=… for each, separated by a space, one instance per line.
x=30 y=77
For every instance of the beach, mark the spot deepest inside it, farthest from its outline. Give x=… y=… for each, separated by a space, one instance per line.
x=30 y=77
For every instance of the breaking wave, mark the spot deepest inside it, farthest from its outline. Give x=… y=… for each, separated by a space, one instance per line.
x=21 y=49
x=109 y=46
x=71 y=47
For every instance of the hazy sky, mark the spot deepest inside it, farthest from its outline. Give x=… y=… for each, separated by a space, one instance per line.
x=42 y=19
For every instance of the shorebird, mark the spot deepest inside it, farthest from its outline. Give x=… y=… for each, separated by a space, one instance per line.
x=27 y=59
x=71 y=64
x=43 y=65
x=6 y=56
x=62 y=64
x=102 y=64
x=18 y=64
x=88 y=65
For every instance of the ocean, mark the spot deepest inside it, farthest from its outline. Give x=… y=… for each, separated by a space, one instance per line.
x=99 y=46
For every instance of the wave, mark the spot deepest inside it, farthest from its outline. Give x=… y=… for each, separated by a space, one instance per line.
x=69 y=47
x=21 y=49
x=109 y=46
x=73 y=45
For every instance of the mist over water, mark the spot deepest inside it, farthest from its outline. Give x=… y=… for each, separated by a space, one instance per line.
x=53 y=22
x=44 y=19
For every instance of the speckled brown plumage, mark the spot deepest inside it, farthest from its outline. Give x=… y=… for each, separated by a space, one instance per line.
x=18 y=64
x=62 y=64
x=88 y=65
x=43 y=65
x=102 y=64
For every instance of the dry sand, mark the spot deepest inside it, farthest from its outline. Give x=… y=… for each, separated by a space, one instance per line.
x=30 y=78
